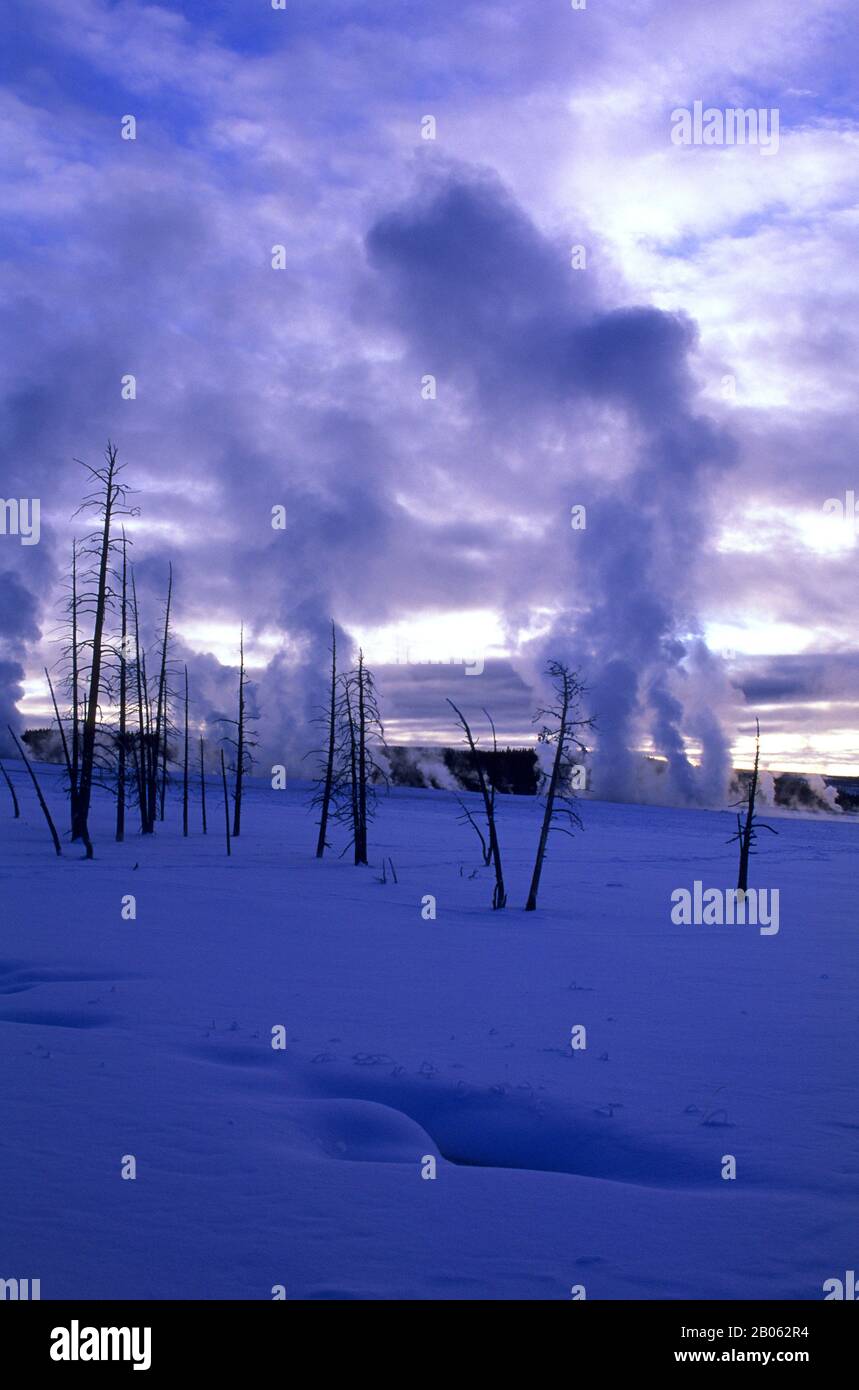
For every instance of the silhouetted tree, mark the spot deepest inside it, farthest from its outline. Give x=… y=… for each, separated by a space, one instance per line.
x=356 y=769
x=158 y=736
x=162 y=785
x=107 y=500
x=185 y=765
x=122 y=747
x=245 y=740
x=74 y=654
x=16 y=809
x=203 y=783
x=226 y=801
x=42 y=802
x=562 y=730
x=499 y=895
x=468 y=818
x=747 y=830
x=325 y=788
x=240 y=741
x=143 y=741
x=63 y=740
x=350 y=780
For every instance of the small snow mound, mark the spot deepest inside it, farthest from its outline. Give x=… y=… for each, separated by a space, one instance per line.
x=364 y=1131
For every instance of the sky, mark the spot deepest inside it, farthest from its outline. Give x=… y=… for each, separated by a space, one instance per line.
x=429 y=278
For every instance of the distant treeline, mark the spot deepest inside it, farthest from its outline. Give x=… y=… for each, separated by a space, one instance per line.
x=509 y=770
x=793 y=791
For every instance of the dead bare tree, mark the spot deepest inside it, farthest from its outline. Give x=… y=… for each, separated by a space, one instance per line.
x=107 y=500
x=84 y=833
x=122 y=747
x=185 y=767
x=351 y=778
x=245 y=740
x=325 y=789
x=563 y=730
x=747 y=830
x=240 y=740
x=362 y=754
x=16 y=809
x=383 y=877
x=63 y=740
x=158 y=736
x=468 y=818
x=162 y=786
x=499 y=895
x=42 y=802
x=357 y=770
x=142 y=766
x=241 y=751
x=226 y=801
x=203 y=783
x=74 y=770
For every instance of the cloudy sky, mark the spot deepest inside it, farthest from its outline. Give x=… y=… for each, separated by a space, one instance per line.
x=429 y=350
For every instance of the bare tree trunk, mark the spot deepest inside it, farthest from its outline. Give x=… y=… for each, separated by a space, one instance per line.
x=185 y=771
x=499 y=896
x=240 y=741
x=143 y=759
x=76 y=744
x=89 y=733
x=123 y=700
x=746 y=836
x=66 y=757
x=16 y=809
x=353 y=776
x=42 y=802
x=160 y=717
x=329 y=765
x=203 y=783
x=226 y=801
x=362 y=763
x=135 y=758
x=152 y=751
x=747 y=833
x=149 y=751
x=484 y=848
x=163 y=793
x=557 y=764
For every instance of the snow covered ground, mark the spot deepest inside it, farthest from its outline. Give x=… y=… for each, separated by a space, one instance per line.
x=405 y=1037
